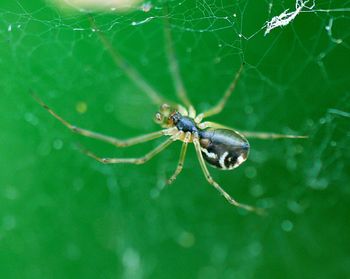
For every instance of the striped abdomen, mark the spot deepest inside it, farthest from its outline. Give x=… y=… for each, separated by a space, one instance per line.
x=223 y=148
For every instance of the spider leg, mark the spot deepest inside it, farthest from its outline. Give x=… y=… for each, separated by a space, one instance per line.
x=181 y=159
x=217 y=186
x=221 y=104
x=258 y=135
x=173 y=64
x=101 y=137
x=267 y=136
x=131 y=72
x=137 y=161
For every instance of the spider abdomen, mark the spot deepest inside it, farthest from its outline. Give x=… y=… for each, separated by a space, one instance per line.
x=223 y=148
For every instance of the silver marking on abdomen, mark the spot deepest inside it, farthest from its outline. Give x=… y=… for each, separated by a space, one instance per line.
x=209 y=154
x=222 y=160
x=239 y=161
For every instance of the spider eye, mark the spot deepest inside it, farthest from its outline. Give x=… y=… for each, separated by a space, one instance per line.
x=158 y=117
x=164 y=107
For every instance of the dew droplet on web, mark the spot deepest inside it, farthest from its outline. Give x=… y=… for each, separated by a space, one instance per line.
x=11 y=193
x=250 y=172
x=81 y=107
x=248 y=109
x=186 y=239
x=9 y=222
x=287 y=225
x=31 y=118
x=257 y=190
x=57 y=144
x=255 y=248
x=146 y=7
x=73 y=252
x=131 y=259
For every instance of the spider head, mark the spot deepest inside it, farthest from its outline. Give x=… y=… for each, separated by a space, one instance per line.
x=166 y=116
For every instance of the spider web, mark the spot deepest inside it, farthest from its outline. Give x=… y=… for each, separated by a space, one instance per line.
x=296 y=81
x=212 y=38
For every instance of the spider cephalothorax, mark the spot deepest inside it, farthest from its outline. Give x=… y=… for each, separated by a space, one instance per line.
x=184 y=123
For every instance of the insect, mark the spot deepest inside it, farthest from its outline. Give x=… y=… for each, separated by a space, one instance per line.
x=216 y=145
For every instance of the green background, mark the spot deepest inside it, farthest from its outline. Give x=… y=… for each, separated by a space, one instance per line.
x=63 y=215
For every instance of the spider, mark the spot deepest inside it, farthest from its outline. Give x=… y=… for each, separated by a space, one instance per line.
x=217 y=145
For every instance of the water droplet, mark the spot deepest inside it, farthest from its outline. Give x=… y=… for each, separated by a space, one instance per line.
x=81 y=107
x=154 y=193
x=9 y=222
x=310 y=122
x=186 y=239
x=257 y=190
x=57 y=144
x=250 y=172
x=131 y=259
x=255 y=248
x=73 y=252
x=248 y=109
x=217 y=60
x=321 y=55
x=319 y=183
x=298 y=149
x=322 y=120
x=287 y=225
x=146 y=7
x=31 y=118
x=11 y=193
x=295 y=207
x=112 y=184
